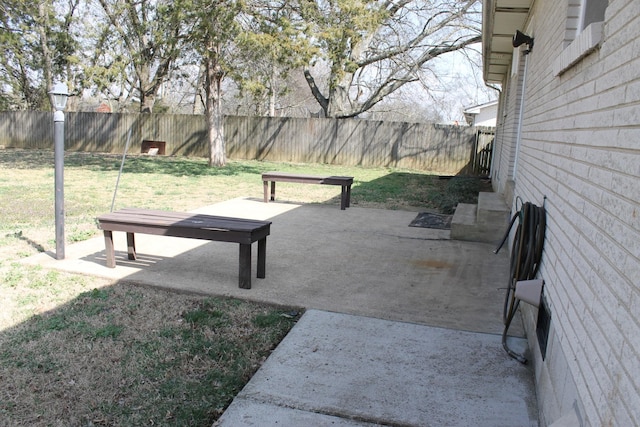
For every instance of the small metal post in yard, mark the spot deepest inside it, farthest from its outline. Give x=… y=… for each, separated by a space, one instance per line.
x=59 y=95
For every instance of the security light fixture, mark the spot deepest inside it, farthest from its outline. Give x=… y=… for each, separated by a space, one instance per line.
x=519 y=38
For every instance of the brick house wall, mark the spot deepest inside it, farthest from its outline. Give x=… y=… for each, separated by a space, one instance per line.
x=580 y=148
x=512 y=99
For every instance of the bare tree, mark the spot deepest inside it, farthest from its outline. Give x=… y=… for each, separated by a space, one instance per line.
x=374 y=48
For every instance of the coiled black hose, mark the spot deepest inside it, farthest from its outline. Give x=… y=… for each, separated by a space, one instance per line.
x=526 y=254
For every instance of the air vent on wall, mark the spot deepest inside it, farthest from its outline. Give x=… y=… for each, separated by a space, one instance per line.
x=543 y=325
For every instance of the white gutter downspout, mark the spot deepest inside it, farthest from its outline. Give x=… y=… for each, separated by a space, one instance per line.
x=520 y=117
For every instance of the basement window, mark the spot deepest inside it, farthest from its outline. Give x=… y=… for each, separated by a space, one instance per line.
x=543 y=325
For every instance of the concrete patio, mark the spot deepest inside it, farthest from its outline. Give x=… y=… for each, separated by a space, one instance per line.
x=402 y=325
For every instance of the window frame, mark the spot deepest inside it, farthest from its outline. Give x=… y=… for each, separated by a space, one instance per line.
x=587 y=36
x=585 y=19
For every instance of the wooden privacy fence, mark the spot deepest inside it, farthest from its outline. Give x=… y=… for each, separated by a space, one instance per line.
x=441 y=149
x=481 y=161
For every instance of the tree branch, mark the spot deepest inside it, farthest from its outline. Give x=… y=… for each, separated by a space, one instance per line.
x=315 y=90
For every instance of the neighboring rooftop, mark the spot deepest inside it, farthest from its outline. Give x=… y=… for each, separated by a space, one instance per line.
x=482 y=114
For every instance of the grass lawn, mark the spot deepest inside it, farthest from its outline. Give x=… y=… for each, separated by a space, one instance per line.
x=83 y=351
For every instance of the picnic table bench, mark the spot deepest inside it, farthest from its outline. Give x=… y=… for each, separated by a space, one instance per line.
x=190 y=225
x=344 y=181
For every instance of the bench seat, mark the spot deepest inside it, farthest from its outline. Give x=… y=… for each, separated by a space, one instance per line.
x=189 y=225
x=344 y=181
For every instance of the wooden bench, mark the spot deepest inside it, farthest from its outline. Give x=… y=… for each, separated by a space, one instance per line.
x=195 y=226
x=344 y=181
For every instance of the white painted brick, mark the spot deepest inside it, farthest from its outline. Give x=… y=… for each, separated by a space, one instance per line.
x=602 y=119
x=600 y=176
x=582 y=134
x=612 y=252
x=610 y=98
x=585 y=189
x=627 y=323
x=623 y=211
x=608 y=330
x=586 y=396
x=627 y=162
x=587 y=295
x=578 y=325
x=594 y=355
x=632 y=345
x=576 y=201
x=627 y=9
x=610 y=80
x=626 y=115
x=632 y=364
x=591 y=393
x=575 y=99
x=567 y=393
x=621 y=27
x=605 y=138
x=605 y=391
x=627 y=404
x=597 y=155
x=614 y=60
x=632 y=269
x=632 y=92
x=557 y=149
x=578 y=168
x=580 y=152
x=579 y=303
x=609 y=274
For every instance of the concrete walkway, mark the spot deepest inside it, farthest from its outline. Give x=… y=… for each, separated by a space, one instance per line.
x=403 y=325
x=339 y=369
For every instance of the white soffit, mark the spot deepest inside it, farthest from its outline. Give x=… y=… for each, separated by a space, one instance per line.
x=500 y=20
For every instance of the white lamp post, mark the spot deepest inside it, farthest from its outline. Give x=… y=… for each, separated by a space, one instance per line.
x=59 y=95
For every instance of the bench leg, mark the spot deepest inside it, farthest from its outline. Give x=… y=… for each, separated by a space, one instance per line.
x=273 y=190
x=262 y=258
x=108 y=244
x=131 y=246
x=245 y=266
x=345 y=197
x=265 y=185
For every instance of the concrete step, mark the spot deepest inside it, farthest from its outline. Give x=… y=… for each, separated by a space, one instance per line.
x=492 y=209
x=485 y=222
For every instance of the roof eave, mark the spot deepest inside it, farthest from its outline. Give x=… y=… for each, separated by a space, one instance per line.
x=500 y=20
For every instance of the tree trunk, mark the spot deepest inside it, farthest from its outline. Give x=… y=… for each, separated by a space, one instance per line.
x=147 y=101
x=272 y=91
x=213 y=80
x=199 y=98
x=339 y=104
x=147 y=98
x=272 y=103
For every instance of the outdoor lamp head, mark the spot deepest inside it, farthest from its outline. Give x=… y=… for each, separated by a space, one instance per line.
x=519 y=38
x=59 y=93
